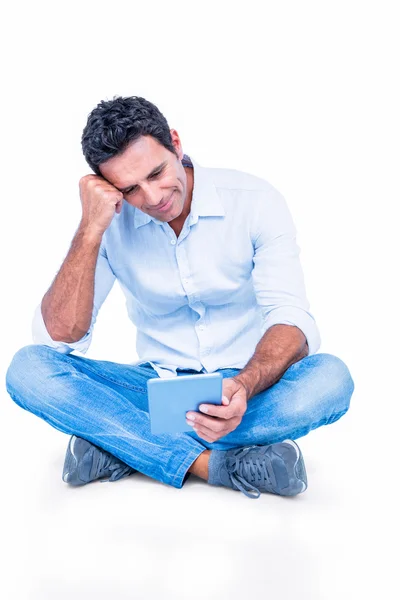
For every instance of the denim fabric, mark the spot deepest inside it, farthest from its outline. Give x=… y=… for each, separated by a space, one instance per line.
x=106 y=403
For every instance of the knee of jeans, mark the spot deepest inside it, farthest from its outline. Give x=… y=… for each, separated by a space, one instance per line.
x=23 y=369
x=336 y=381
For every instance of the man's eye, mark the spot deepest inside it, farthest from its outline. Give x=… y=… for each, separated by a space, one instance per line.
x=133 y=190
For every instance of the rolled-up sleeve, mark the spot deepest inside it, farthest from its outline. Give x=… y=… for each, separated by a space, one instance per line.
x=277 y=273
x=103 y=283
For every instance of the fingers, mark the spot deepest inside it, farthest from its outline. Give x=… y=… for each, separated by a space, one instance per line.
x=234 y=409
x=213 y=425
x=212 y=436
x=207 y=434
x=222 y=412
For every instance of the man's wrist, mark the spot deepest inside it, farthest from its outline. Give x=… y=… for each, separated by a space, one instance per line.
x=280 y=347
x=249 y=380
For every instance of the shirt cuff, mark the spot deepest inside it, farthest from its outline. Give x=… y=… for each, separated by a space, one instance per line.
x=41 y=336
x=291 y=315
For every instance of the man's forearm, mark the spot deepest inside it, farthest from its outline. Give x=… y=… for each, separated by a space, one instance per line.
x=67 y=305
x=280 y=347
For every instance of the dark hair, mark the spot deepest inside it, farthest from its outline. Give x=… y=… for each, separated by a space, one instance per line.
x=114 y=124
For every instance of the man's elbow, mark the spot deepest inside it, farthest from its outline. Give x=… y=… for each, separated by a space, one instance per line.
x=304 y=350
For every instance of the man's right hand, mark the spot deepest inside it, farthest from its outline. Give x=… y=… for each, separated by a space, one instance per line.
x=100 y=201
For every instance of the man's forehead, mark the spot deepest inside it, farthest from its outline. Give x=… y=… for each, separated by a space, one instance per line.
x=134 y=161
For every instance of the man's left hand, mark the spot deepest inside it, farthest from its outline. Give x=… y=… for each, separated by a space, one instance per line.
x=220 y=419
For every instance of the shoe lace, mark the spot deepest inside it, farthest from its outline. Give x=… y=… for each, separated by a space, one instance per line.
x=247 y=470
x=108 y=465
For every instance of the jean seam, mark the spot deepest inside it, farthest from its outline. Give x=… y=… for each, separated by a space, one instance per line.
x=190 y=458
x=125 y=385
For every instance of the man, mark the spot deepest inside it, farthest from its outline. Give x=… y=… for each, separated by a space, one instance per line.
x=209 y=265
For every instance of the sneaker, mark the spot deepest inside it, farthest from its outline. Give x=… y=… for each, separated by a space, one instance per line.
x=276 y=468
x=85 y=462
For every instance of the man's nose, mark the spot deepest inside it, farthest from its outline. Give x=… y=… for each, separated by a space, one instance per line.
x=153 y=196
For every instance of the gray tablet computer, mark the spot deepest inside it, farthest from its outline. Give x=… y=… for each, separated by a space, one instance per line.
x=172 y=397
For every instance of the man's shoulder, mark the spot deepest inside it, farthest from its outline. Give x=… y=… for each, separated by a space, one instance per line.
x=237 y=180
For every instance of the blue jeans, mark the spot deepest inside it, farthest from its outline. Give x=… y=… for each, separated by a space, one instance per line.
x=106 y=403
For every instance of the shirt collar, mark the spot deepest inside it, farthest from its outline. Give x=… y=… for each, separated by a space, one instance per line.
x=205 y=200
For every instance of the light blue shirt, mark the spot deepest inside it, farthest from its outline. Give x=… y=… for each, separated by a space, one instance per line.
x=203 y=300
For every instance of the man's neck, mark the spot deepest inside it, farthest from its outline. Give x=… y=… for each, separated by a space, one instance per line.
x=177 y=224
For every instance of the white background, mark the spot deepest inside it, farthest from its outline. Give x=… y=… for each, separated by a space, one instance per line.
x=306 y=95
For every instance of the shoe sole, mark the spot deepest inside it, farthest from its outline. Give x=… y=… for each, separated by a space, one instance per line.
x=299 y=466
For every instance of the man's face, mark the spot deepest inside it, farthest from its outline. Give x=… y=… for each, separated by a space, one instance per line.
x=149 y=176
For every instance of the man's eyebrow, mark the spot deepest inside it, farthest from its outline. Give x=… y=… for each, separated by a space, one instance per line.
x=154 y=171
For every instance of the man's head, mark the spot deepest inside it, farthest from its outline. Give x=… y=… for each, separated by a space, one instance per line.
x=128 y=142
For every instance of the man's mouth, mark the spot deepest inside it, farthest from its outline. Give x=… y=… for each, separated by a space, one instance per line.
x=166 y=206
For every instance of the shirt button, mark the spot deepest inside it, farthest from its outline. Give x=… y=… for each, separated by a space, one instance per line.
x=173 y=242
x=201 y=327
x=186 y=281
